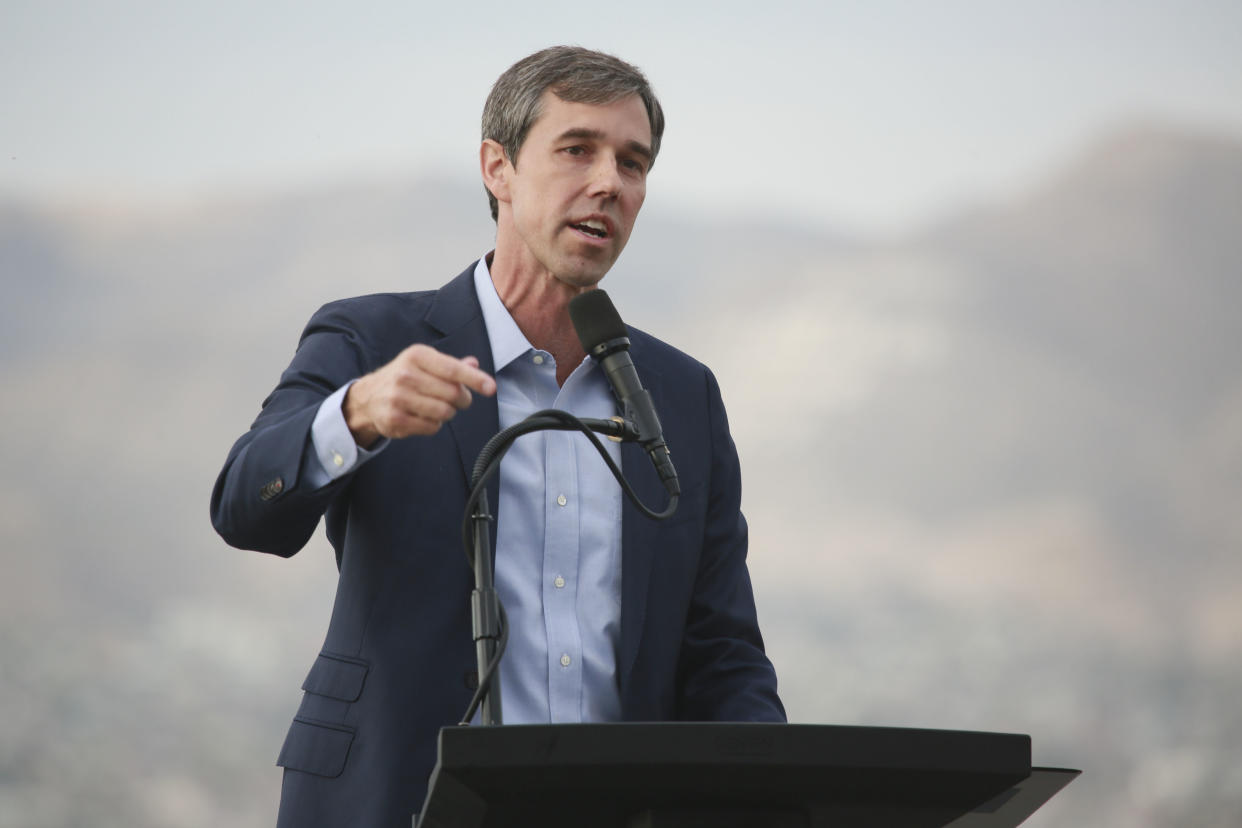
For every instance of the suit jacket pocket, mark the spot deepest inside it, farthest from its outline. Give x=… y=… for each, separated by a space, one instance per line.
x=316 y=747
x=337 y=677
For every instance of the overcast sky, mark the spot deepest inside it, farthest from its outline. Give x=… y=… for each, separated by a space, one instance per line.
x=873 y=115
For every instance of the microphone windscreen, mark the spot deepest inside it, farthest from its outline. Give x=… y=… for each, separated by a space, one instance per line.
x=595 y=319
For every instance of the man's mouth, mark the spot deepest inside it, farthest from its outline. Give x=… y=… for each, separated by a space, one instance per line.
x=592 y=228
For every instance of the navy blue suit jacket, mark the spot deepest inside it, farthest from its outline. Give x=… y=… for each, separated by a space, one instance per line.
x=398 y=659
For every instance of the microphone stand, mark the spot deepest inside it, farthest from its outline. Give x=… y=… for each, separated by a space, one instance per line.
x=488 y=622
x=485 y=612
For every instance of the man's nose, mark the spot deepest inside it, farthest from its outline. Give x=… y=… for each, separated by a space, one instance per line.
x=605 y=177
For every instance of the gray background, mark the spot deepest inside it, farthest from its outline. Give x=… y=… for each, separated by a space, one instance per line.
x=969 y=278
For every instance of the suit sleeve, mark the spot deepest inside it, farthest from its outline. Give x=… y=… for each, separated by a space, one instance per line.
x=725 y=674
x=262 y=499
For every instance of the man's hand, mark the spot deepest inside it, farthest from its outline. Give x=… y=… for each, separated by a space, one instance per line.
x=416 y=393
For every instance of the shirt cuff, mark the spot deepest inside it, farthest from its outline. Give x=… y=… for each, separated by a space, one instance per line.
x=334 y=445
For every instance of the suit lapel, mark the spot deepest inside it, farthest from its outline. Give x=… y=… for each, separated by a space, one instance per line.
x=456 y=314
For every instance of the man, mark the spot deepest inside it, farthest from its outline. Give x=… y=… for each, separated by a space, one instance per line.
x=376 y=424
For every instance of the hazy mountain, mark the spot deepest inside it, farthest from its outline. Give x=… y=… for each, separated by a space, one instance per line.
x=992 y=472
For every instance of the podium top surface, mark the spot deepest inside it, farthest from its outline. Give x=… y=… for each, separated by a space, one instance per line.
x=782 y=774
x=733 y=744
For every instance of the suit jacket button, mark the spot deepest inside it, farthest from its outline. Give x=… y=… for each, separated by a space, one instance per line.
x=271 y=489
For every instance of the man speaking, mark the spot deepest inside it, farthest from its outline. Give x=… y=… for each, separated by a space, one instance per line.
x=376 y=425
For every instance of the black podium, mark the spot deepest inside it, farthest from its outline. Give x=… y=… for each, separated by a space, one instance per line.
x=681 y=775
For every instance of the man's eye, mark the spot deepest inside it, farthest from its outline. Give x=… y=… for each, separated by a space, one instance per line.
x=576 y=150
x=635 y=166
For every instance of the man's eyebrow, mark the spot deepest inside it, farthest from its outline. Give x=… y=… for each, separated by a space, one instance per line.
x=637 y=147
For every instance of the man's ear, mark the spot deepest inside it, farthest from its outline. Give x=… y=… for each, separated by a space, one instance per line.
x=495 y=167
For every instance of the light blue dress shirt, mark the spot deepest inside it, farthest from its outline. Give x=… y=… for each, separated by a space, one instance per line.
x=558 y=530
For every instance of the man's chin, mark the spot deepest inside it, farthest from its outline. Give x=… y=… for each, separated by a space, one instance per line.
x=584 y=274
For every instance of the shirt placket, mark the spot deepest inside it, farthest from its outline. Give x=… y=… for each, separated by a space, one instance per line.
x=560 y=578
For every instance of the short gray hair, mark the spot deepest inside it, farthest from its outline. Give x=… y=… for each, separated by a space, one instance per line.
x=572 y=74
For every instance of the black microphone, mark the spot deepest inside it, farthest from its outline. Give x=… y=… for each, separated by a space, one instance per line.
x=603 y=336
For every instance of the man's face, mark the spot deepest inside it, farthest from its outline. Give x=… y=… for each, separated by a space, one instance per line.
x=579 y=181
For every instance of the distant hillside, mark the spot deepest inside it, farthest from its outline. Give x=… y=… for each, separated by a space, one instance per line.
x=1130 y=256
x=992 y=472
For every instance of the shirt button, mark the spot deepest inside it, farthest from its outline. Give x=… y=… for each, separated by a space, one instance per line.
x=538 y=360
x=338 y=459
x=565 y=660
x=560 y=500
x=559 y=581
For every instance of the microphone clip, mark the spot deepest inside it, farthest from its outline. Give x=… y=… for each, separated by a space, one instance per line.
x=609 y=347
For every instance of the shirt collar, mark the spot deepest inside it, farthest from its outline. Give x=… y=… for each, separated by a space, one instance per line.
x=508 y=341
